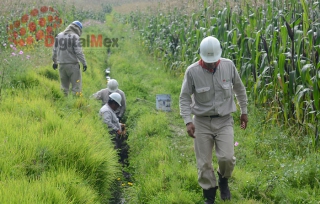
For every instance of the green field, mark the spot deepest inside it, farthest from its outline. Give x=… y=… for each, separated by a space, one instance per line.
x=55 y=149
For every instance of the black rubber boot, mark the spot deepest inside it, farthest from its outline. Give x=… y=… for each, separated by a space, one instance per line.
x=224 y=188
x=210 y=195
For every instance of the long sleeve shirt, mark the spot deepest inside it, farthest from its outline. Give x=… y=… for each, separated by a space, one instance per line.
x=67 y=48
x=103 y=95
x=205 y=94
x=110 y=118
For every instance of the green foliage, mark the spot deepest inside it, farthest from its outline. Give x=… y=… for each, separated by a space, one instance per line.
x=50 y=74
x=272 y=164
x=162 y=159
x=54 y=148
x=47 y=140
x=85 y=13
x=13 y=68
x=160 y=174
x=274 y=46
x=60 y=186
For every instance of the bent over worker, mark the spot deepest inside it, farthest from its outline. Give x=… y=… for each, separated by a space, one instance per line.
x=67 y=52
x=103 y=95
x=207 y=94
x=116 y=129
x=108 y=114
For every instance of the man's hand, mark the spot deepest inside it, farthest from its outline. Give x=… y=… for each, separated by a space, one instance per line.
x=243 y=121
x=123 y=126
x=191 y=129
x=55 y=66
x=121 y=133
x=84 y=68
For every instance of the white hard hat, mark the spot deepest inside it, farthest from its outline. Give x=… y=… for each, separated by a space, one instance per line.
x=112 y=85
x=210 y=49
x=116 y=97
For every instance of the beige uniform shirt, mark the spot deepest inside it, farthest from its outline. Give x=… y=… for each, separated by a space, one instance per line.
x=103 y=95
x=109 y=118
x=205 y=94
x=67 y=47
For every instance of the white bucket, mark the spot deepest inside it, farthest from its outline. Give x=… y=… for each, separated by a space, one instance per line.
x=163 y=102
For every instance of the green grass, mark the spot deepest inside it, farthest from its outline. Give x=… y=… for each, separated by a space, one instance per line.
x=54 y=149
x=273 y=166
x=261 y=37
x=57 y=150
x=41 y=137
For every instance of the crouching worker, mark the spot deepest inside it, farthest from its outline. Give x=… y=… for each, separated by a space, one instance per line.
x=103 y=95
x=116 y=129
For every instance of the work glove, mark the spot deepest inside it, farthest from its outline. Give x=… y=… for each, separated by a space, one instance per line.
x=84 y=68
x=55 y=66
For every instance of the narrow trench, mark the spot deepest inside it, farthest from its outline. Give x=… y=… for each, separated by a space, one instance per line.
x=122 y=147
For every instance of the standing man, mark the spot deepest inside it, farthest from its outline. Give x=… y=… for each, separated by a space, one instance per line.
x=67 y=52
x=103 y=95
x=207 y=93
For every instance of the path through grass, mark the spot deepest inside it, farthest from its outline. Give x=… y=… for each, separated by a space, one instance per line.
x=272 y=166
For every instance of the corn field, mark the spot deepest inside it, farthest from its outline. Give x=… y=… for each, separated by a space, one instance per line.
x=275 y=47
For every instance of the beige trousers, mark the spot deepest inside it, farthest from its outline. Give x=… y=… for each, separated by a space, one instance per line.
x=213 y=133
x=70 y=74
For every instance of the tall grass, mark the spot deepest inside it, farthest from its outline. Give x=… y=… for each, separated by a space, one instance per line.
x=54 y=149
x=274 y=46
x=57 y=150
x=273 y=166
x=42 y=135
x=159 y=173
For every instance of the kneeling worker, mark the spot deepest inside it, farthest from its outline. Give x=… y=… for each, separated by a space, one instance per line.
x=103 y=95
x=116 y=129
x=107 y=112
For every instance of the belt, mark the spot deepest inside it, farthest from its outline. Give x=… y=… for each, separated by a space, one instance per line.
x=213 y=116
